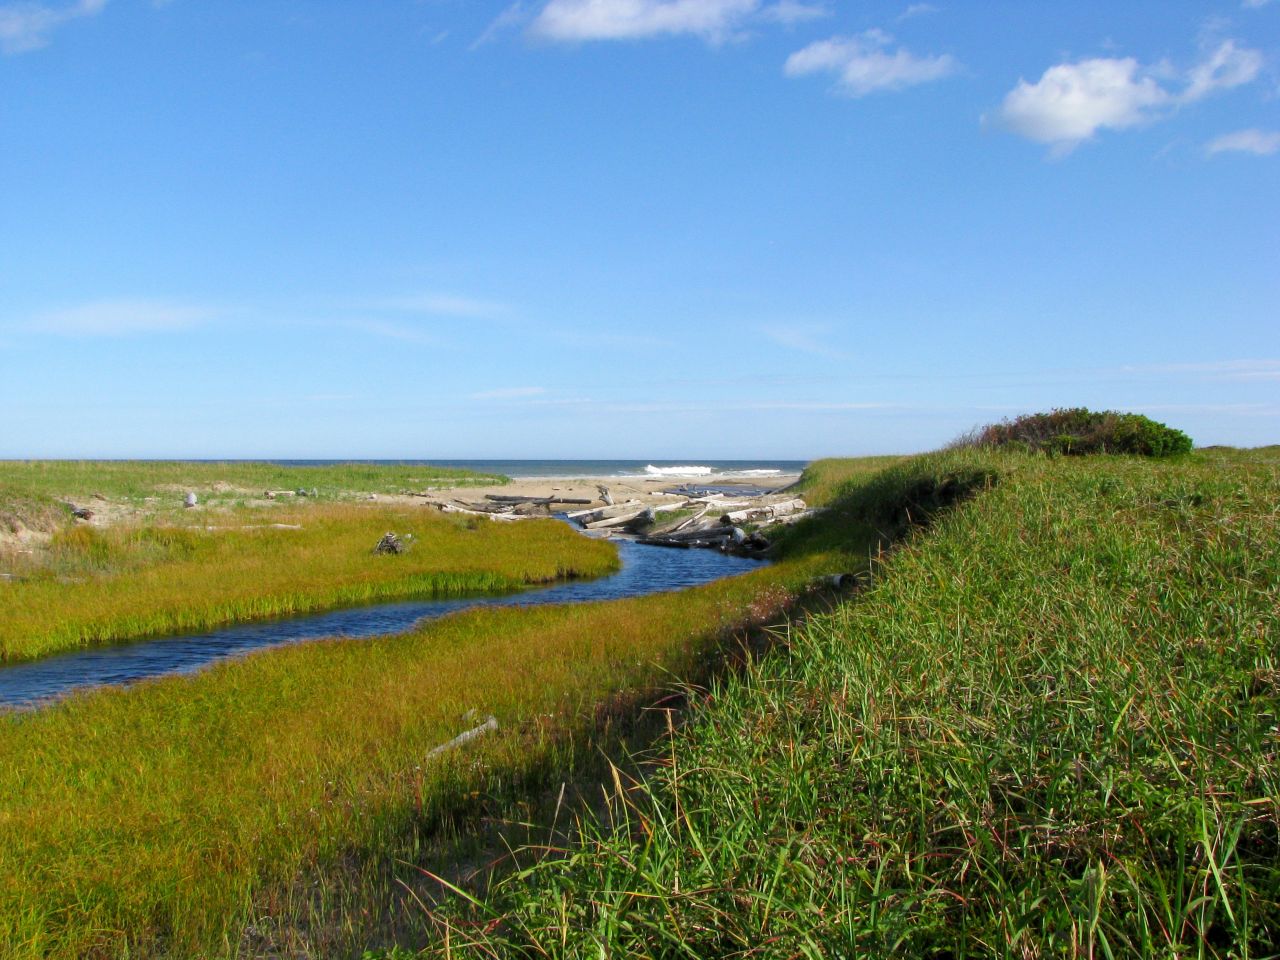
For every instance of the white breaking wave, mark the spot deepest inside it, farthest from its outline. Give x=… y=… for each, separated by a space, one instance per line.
x=757 y=473
x=688 y=471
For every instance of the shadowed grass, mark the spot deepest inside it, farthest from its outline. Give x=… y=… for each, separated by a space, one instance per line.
x=94 y=586
x=1049 y=729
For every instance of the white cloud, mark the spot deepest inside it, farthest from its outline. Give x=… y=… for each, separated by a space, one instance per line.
x=867 y=63
x=1226 y=67
x=26 y=26
x=1260 y=142
x=1071 y=102
x=116 y=318
x=632 y=19
x=1254 y=4
x=509 y=393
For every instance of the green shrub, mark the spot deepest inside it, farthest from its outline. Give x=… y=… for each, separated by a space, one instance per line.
x=1078 y=431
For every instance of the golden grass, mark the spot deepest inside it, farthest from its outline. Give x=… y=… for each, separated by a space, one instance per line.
x=99 y=585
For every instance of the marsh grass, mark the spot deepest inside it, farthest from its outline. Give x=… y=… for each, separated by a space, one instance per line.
x=93 y=586
x=162 y=819
x=1048 y=729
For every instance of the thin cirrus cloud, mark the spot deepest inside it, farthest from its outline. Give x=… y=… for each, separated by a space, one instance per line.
x=446 y=305
x=711 y=20
x=509 y=393
x=1261 y=143
x=119 y=318
x=867 y=63
x=1072 y=102
x=27 y=26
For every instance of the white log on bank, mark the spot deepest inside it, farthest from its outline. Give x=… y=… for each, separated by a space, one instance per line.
x=764 y=512
x=603 y=513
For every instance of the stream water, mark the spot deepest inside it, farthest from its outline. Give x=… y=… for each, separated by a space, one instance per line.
x=645 y=569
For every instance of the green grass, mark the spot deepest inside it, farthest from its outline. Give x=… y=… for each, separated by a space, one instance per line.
x=167 y=819
x=92 y=586
x=168 y=481
x=1049 y=729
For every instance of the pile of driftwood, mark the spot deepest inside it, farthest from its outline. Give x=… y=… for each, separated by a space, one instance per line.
x=721 y=524
x=718 y=521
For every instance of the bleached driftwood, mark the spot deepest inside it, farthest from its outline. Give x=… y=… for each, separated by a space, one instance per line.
x=603 y=513
x=764 y=511
x=541 y=501
x=621 y=520
x=464 y=738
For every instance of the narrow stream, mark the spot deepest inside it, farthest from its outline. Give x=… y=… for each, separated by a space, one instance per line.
x=645 y=569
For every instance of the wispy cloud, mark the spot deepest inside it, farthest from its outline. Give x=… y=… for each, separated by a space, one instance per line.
x=509 y=393
x=395 y=331
x=814 y=339
x=117 y=318
x=917 y=10
x=512 y=18
x=715 y=21
x=1235 y=371
x=445 y=305
x=27 y=26
x=1259 y=142
x=867 y=63
x=1072 y=102
x=792 y=11
x=1217 y=409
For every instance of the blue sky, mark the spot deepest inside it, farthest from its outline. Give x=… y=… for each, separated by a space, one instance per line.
x=630 y=228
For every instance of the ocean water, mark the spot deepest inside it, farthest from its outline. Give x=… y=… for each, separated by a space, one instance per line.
x=692 y=469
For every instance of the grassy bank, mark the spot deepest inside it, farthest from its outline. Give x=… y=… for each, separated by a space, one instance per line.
x=169 y=819
x=164 y=482
x=90 y=585
x=1048 y=729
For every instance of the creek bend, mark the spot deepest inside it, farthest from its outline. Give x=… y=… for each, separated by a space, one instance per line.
x=645 y=570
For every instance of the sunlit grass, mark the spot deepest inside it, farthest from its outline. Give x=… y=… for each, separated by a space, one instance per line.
x=158 y=819
x=97 y=585
x=1049 y=729
x=169 y=480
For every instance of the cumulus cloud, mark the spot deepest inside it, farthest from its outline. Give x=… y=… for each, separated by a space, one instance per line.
x=27 y=26
x=1260 y=142
x=115 y=318
x=868 y=62
x=1071 y=102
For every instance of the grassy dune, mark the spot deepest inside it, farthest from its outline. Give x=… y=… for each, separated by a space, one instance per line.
x=163 y=819
x=94 y=585
x=1048 y=729
x=166 y=481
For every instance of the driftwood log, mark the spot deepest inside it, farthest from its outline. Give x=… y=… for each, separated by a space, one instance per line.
x=543 y=501
x=767 y=511
x=463 y=738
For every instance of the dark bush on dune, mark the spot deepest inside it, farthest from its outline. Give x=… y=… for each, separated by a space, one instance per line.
x=1080 y=431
